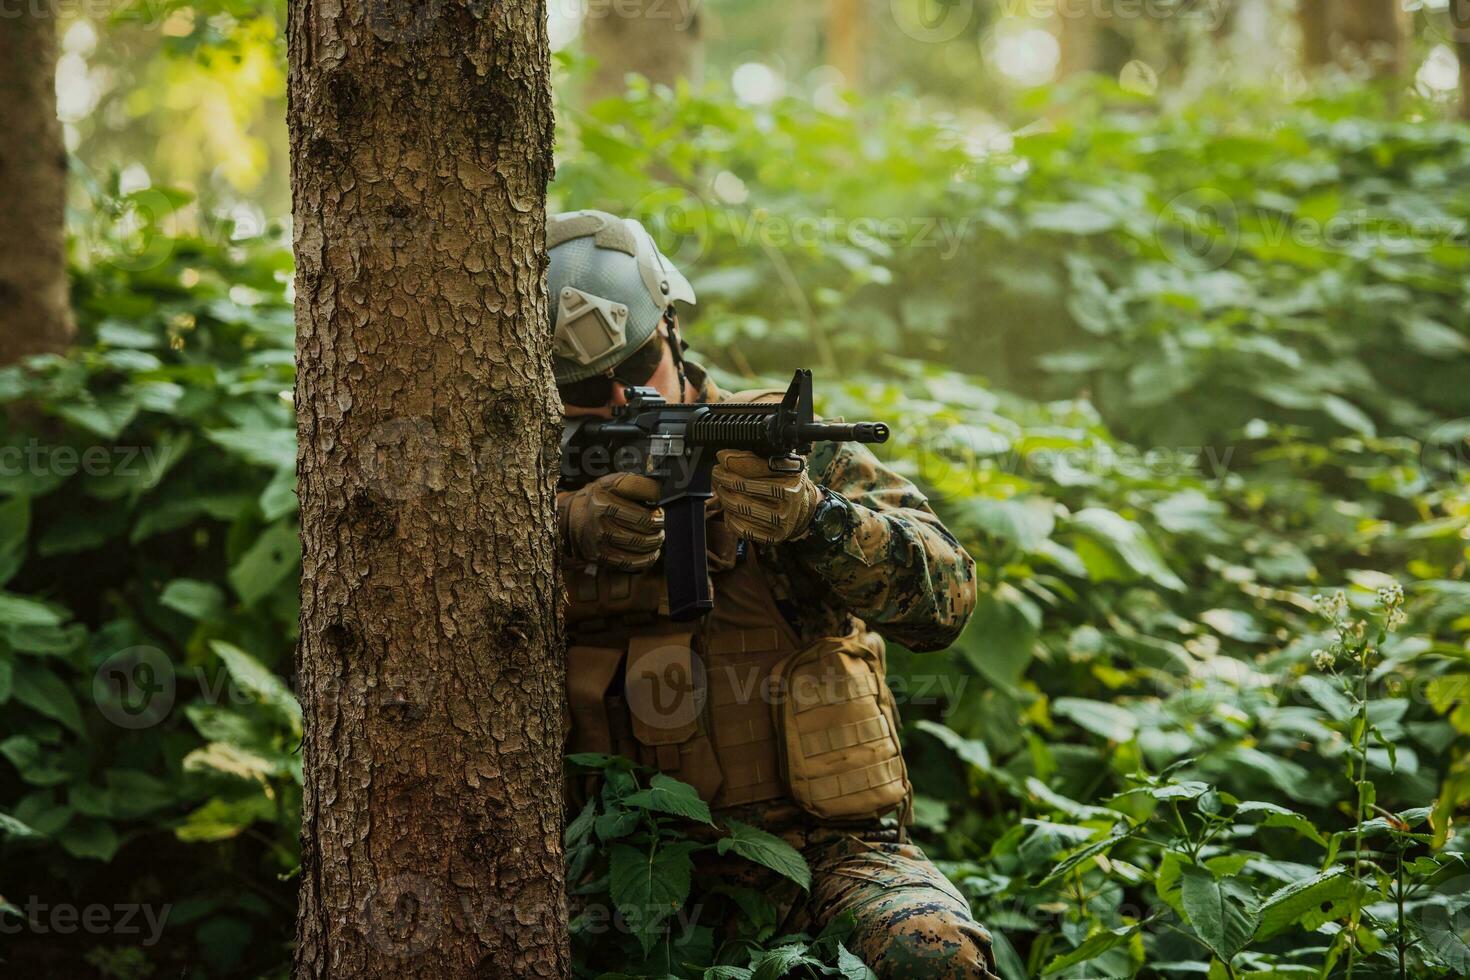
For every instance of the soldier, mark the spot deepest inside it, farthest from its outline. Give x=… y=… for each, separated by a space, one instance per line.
x=810 y=571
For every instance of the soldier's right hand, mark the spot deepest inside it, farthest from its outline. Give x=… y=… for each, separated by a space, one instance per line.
x=614 y=520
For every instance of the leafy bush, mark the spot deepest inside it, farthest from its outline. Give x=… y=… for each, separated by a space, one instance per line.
x=1139 y=759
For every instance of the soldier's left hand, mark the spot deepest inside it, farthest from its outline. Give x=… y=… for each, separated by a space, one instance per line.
x=761 y=504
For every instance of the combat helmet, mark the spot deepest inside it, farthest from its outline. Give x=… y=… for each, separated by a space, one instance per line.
x=608 y=286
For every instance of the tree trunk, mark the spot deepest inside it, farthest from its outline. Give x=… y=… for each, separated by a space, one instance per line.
x=1314 y=18
x=844 y=40
x=1076 y=38
x=430 y=661
x=1460 y=32
x=35 y=315
x=1373 y=34
x=658 y=39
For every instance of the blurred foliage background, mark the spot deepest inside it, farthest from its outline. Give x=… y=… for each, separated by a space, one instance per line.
x=1166 y=303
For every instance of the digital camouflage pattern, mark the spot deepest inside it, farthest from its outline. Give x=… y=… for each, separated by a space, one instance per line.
x=911 y=922
x=904 y=575
x=901 y=572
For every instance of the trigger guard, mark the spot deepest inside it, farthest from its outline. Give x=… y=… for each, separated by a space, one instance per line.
x=786 y=464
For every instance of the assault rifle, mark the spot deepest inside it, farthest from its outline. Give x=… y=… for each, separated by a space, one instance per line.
x=677 y=444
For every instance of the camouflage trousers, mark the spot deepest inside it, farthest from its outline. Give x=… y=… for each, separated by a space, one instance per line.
x=912 y=923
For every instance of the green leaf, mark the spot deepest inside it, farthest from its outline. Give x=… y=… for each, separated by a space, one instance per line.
x=1026 y=522
x=773 y=964
x=1090 y=948
x=275 y=555
x=258 y=681
x=1307 y=903
x=11 y=827
x=1104 y=720
x=89 y=838
x=36 y=765
x=1001 y=637
x=1123 y=540
x=274 y=449
x=7 y=680
x=1218 y=912
x=38 y=688
x=1280 y=816
x=669 y=795
x=768 y=851
x=1085 y=854
x=195 y=599
x=221 y=819
x=649 y=887
x=969 y=750
x=104 y=416
x=17 y=610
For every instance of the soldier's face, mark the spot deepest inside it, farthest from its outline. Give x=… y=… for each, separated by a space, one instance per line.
x=665 y=379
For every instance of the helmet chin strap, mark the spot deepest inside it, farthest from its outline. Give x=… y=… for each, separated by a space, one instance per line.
x=672 y=323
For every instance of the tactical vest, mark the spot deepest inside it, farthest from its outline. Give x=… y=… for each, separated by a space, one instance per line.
x=737 y=706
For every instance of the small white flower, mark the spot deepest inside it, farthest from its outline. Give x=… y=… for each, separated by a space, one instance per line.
x=1322 y=659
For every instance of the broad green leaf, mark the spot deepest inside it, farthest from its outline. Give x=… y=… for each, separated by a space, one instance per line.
x=1218 y=912
x=17 y=610
x=1308 y=903
x=767 y=850
x=668 y=795
x=1090 y=948
x=1108 y=721
x=258 y=681
x=275 y=555
x=969 y=750
x=89 y=838
x=1280 y=816
x=38 y=687
x=193 y=598
x=1125 y=541
x=649 y=887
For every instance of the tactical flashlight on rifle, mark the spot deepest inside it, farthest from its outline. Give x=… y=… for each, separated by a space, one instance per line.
x=677 y=445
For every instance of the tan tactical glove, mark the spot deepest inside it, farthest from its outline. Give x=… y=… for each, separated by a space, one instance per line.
x=613 y=520
x=761 y=504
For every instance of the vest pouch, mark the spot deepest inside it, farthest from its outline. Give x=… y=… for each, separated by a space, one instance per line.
x=839 y=730
x=591 y=672
x=665 y=687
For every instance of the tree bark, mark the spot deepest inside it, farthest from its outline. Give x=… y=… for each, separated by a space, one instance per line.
x=1374 y=33
x=658 y=39
x=1314 y=19
x=845 y=39
x=1460 y=32
x=430 y=663
x=1077 y=31
x=35 y=315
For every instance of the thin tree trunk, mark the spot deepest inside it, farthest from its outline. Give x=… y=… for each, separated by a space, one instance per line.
x=1374 y=33
x=1314 y=18
x=658 y=39
x=1460 y=31
x=430 y=661
x=35 y=315
x=1076 y=37
x=844 y=40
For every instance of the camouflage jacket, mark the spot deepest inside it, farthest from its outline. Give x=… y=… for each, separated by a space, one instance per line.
x=900 y=571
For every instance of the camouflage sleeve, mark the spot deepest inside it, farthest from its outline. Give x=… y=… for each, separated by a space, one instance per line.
x=900 y=570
